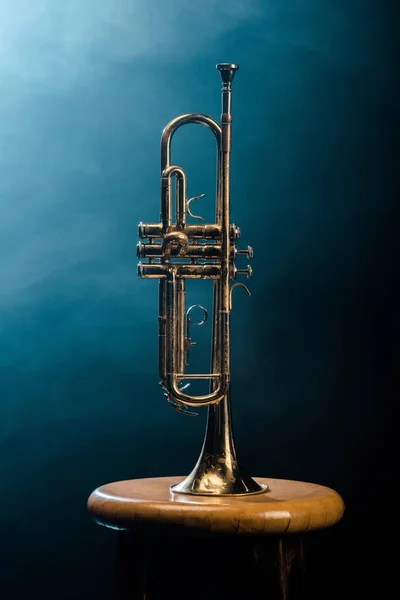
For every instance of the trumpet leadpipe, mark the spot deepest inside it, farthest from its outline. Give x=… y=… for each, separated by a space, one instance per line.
x=154 y=250
x=194 y=251
x=184 y=271
x=189 y=271
x=208 y=231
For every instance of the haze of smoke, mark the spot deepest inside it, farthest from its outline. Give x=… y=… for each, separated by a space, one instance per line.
x=53 y=56
x=56 y=42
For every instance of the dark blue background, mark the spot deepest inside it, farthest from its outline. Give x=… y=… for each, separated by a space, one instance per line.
x=86 y=88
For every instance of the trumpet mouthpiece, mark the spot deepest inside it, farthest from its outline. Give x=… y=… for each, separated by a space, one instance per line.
x=227 y=71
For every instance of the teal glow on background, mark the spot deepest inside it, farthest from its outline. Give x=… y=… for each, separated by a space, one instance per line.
x=86 y=89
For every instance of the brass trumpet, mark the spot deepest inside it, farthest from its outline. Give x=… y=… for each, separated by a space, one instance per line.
x=176 y=251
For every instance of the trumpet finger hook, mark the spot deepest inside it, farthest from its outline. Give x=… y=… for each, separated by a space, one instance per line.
x=205 y=314
x=233 y=287
x=188 y=202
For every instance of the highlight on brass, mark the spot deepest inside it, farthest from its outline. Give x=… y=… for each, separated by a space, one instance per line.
x=174 y=250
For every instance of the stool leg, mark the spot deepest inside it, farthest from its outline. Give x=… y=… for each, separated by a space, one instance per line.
x=278 y=568
x=131 y=567
x=150 y=567
x=291 y=567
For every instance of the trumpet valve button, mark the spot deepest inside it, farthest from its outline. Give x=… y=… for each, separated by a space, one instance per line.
x=249 y=252
x=248 y=272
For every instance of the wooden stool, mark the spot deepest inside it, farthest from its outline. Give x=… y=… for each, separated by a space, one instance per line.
x=192 y=547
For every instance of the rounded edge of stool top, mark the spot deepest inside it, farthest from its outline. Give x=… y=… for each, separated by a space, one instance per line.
x=287 y=507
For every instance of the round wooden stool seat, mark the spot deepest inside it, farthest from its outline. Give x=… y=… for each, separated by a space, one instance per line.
x=287 y=507
x=224 y=548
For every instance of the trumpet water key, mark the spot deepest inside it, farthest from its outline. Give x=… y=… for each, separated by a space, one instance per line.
x=173 y=251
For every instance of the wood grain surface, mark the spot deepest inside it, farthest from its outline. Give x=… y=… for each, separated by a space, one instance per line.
x=288 y=507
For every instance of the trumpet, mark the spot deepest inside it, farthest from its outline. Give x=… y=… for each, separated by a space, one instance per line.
x=174 y=250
